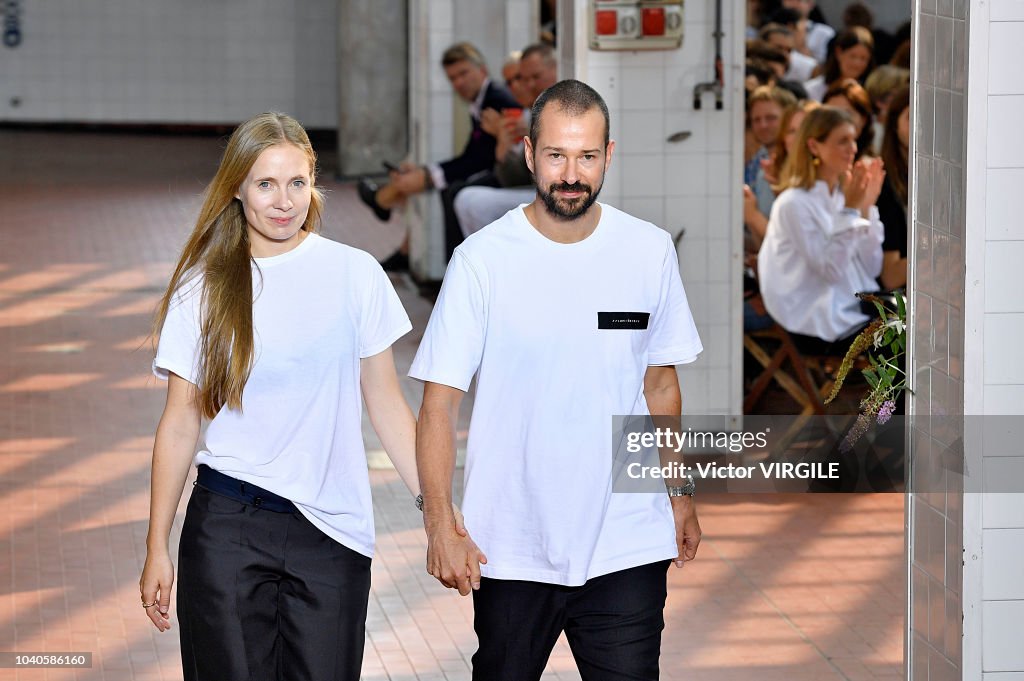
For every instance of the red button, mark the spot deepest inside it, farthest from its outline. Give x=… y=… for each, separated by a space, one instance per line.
x=653 y=20
x=607 y=22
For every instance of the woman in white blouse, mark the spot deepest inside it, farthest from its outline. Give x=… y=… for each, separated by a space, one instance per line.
x=824 y=238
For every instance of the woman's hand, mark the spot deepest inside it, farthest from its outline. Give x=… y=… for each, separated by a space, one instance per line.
x=749 y=203
x=768 y=168
x=863 y=184
x=875 y=178
x=155 y=588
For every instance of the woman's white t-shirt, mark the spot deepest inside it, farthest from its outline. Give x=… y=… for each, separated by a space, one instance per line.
x=317 y=310
x=521 y=313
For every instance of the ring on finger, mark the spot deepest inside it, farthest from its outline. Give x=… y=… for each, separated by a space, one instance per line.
x=149 y=605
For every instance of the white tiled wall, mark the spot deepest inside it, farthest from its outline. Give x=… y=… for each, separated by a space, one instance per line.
x=1002 y=556
x=968 y=273
x=690 y=185
x=935 y=510
x=171 y=61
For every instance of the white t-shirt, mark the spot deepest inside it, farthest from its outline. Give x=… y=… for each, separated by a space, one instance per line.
x=801 y=67
x=815 y=257
x=520 y=312
x=317 y=310
x=818 y=38
x=816 y=88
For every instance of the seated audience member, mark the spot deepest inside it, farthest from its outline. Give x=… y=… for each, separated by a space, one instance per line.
x=477 y=206
x=801 y=67
x=756 y=73
x=773 y=57
x=881 y=84
x=514 y=81
x=797 y=24
x=850 y=57
x=755 y=213
x=758 y=14
x=892 y=201
x=819 y=34
x=766 y=108
x=824 y=241
x=901 y=57
x=851 y=97
x=467 y=72
x=791 y=122
x=859 y=14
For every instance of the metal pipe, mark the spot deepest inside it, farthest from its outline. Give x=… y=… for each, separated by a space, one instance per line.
x=717 y=84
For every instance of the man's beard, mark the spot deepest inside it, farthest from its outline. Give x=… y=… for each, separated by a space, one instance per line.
x=568 y=209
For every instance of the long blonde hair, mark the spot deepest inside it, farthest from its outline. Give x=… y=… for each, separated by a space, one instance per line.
x=780 y=157
x=218 y=250
x=818 y=124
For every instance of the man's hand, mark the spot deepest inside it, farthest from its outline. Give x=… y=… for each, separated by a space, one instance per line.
x=453 y=558
x=409 y=180
x=684 y=511
x=490 y=121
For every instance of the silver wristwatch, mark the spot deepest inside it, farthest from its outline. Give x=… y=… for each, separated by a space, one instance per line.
x=685 y=490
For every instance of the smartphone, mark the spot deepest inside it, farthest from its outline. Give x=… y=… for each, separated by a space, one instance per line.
x=391 y=167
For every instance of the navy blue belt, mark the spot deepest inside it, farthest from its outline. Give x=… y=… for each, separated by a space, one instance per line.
x=244 y=492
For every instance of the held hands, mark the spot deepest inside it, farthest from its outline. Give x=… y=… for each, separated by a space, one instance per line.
x=453 y=558
x=863 y=184
x=687 y=529
x=155 y=587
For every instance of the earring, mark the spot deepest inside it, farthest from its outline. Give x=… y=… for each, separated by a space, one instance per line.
x=816 y=161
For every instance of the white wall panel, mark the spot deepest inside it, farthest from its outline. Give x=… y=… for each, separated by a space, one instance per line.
x=171 y=61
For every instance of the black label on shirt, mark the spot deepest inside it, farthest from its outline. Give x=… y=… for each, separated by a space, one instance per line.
x=623 y=320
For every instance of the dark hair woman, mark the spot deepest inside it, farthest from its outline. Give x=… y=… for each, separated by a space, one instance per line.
x=894 y=197
x=851 y=56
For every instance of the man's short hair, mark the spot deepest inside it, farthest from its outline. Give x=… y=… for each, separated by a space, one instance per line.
x=772 y=93
x=463 y=52
x=513 y=58
x=770 y=29
x=762 y=51
x=858 y=14
x=544 y=51
x=572 y=97
x=786 y=17
x=794 y=87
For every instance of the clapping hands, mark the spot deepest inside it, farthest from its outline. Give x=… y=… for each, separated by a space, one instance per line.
x=863 y=184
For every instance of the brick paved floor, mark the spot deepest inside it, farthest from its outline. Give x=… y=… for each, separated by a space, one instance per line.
x=799 y=587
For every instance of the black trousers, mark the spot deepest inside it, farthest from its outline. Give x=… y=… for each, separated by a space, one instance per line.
x=265 y=596
x=452 y=231
x=613 y=624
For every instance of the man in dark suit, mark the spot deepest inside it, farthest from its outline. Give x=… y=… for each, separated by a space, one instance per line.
x=467 y=72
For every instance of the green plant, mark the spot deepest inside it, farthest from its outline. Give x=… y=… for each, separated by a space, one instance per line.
x=885 y=340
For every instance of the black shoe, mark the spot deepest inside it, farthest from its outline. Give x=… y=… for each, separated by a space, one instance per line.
x=396 y=262
x=368 y=194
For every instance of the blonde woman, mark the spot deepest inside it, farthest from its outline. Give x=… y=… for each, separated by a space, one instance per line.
x=824 y=239
x=276 y=335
